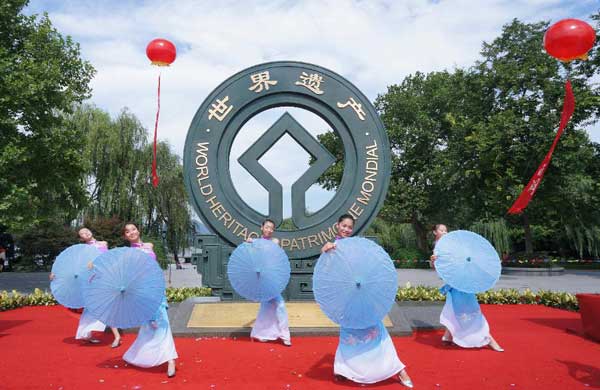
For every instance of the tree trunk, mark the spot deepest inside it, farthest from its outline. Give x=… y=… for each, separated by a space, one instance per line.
x=176 y=257
x=421 y=233
x=527 y=230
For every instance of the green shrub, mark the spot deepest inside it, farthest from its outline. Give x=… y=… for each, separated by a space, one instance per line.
x=14 y=299
x=419 y=293
x=106 y=229
x=392 y=236
x=181 y=294
x=408 y=254
x=42 y=243
x=560 y=300
x=496 y=231
x=414 y=263
x=159 y=251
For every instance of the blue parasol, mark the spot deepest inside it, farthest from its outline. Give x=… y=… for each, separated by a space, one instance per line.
x=356 y=283
x=126 y=288
x=70 y=269
x=258 y=271
x=467 y=261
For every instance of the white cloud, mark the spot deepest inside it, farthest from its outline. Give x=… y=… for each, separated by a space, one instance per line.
x=371 y=43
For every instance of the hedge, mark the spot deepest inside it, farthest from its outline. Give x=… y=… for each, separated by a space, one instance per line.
x=15 y=299
x=560 y=300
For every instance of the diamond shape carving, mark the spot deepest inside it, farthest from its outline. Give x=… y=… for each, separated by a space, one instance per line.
x=286 y=124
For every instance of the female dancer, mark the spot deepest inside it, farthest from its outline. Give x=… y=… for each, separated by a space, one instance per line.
x=154 y=344
x=465 y=324
x=87 y=324
x=365 y=355
x=272 y=319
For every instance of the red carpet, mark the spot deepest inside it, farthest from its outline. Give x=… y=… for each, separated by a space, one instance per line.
x=38 y=351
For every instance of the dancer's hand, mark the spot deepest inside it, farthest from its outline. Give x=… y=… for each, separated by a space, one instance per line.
x=327 y=247
x=249 y=240
x=90 y=265
x=52 y=276
x=432 y=261
x=153 y=324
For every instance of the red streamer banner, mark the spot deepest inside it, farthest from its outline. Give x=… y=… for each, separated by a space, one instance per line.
x=154 y=174
x=529 y=190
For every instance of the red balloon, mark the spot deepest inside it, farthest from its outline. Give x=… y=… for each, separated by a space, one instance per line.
x=161 y=52
x=569 y=39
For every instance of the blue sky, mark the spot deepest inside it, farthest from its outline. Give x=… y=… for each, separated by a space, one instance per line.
x=371 y=43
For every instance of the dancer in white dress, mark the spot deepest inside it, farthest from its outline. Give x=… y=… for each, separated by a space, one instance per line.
x=154 y=344
x=88 y=324
x=365 y=355
x=272 y=319
x=465 y=324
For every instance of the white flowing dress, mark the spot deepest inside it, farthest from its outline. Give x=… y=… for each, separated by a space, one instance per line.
x=272 y=321
x=366 y=355
x=463 y=318
x=88 y=324
x=153 y=345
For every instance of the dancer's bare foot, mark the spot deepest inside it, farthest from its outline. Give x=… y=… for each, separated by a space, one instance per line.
x=116 y=343
x=495 y=346
x=447 y=337
x=405 y=379
x=171 y=369
x=117 y=335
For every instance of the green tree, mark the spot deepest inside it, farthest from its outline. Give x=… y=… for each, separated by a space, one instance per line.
x=114 y=158
x=107 y=229
x=42 y=243
x=118 y=161
x=41 y=76
x=426 y=117
x=465 y=143
x=525 y=86
x=168 y=201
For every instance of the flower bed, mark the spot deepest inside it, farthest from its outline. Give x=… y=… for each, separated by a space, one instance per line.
x=183 y=293
x=561 y=300
x=15 y=299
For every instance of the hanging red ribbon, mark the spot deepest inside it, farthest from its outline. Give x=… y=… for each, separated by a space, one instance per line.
x=154 y=174
x=529 y=190
x=162 y=53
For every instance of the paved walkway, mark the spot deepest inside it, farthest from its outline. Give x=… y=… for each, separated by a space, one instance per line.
x=26 y=282
x=572 y=281
x=186 y=277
